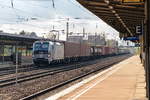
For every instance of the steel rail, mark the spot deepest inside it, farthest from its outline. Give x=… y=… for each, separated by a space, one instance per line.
x=32 y=96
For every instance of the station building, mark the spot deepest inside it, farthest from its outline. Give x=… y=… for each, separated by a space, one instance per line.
x=10 y=43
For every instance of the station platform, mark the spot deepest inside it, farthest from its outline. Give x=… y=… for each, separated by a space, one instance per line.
x=26 y=60
x=10 y=64
x=123 y=81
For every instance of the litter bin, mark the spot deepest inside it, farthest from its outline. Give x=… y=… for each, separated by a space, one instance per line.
x=19 y=58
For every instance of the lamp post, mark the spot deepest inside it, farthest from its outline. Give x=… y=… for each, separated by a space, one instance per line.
x=95 y=34
x=67 y=29
x=16 y=63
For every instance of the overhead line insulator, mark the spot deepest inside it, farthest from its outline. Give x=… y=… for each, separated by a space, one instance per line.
x=12 y=4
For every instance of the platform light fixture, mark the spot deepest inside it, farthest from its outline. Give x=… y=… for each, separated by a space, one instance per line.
x=113 y=11
x=110 y=7
x=132 y=1
x=118 y=17
x=107 y=1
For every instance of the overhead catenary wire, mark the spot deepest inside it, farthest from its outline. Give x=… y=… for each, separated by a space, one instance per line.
x=22 y=11
x=14 y=9
x=12 y=3
x=53 y=3
x=80 y=7
x=58 y=11
x=18 y=16
x=21 y=18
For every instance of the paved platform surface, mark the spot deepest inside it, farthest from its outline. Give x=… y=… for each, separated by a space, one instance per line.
x=126 y=81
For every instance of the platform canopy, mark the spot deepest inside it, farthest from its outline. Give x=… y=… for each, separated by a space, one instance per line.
x=123 y=15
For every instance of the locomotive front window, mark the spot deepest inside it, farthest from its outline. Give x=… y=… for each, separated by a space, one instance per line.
x=45 y=46
x=41 y=47
x=37 y=46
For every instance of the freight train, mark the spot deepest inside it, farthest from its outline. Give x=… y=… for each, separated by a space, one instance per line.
x=47 y=52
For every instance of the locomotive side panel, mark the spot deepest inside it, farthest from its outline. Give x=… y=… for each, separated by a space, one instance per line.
x=58 y=51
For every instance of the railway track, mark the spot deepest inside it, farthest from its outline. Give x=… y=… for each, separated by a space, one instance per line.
x=26 y=68
x=11 y=70
x=51 y=78
x=103 y=66
x=11 y=81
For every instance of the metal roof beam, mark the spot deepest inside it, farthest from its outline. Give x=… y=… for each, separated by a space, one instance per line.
x=120 y=6
x=117 y=10
x=121 y=17
x=116 y=7
x=117 y=16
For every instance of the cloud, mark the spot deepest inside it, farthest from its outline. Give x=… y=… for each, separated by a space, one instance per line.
x=40 y=16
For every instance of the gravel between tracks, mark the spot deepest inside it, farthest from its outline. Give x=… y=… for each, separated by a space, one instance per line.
x=15 y=92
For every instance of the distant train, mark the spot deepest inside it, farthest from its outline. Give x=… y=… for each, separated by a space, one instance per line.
x=47 y=52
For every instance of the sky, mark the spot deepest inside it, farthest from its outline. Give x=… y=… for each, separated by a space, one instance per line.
x=41 y=16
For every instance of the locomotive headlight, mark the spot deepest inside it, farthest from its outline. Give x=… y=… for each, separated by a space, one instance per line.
x=49 y=55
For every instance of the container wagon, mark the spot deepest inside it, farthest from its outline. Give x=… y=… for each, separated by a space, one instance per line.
x=46 y=52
